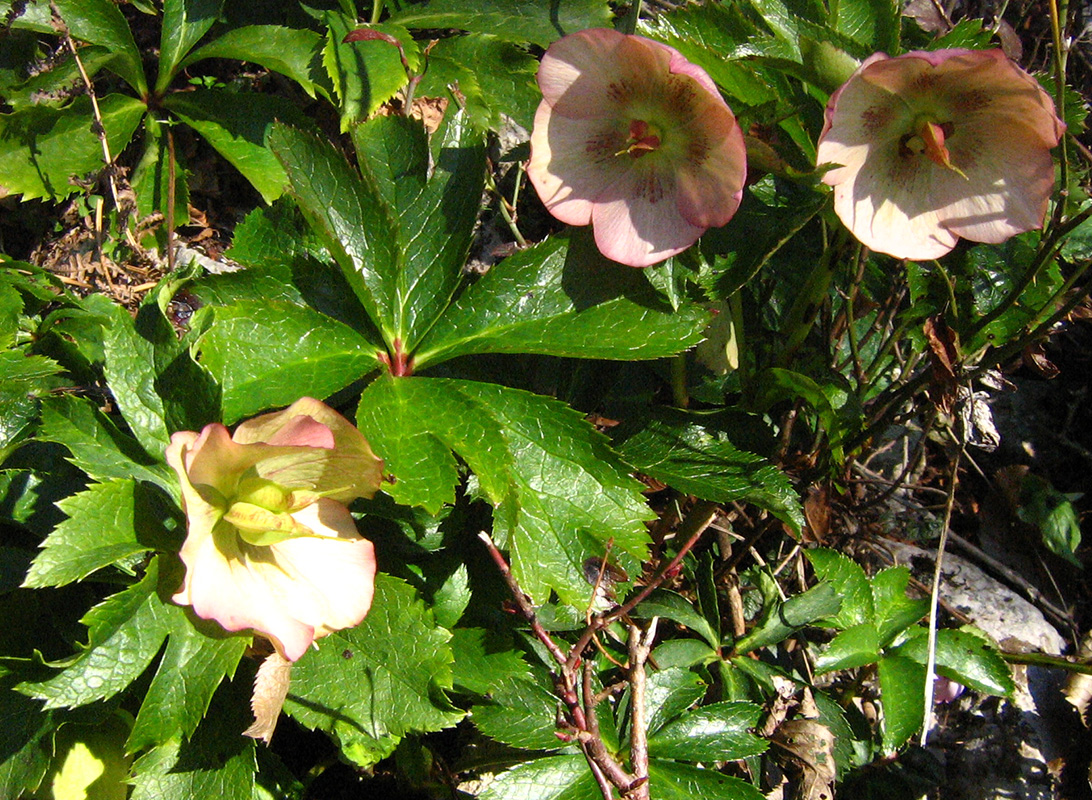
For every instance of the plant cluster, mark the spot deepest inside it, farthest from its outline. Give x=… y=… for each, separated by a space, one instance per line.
x=527 y=532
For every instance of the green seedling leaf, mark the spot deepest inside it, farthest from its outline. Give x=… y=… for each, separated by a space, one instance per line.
x=101 y=22
x=513 y=20
x=542 y=300
x=851 y=584
x=558 y=492
x=717 y=732
x=1053 y=514
x=676 y=608
x=236 y=124
x=97 y=446
x=902 y=691
x=184 y=23
x=703 y=462
x=895 y=612
x=107 y=523
x=435 y=207
x=125 y=632
x=964 y=657
x=349 y=214
x=672 y=781
x=42 y=147
x=394 y=669
x=853 y=647
x=550 y=778
x=271 y=354
x=781 y=620
x=293 y=52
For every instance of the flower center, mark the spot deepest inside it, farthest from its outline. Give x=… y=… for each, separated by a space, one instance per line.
x=929 y=140
x=643 y=139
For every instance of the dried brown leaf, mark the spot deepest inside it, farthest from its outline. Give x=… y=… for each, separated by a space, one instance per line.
x=808 y=749
x=270 y=689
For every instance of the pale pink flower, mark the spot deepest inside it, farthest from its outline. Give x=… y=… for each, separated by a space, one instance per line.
x=634 y=139
x=270 y=545
x=932 y=146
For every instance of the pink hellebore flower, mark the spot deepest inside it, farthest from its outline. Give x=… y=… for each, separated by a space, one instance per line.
x=636 y=140
x=270 y=544
x=932 y=146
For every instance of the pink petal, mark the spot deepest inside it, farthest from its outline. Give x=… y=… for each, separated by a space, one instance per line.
x=710 y=180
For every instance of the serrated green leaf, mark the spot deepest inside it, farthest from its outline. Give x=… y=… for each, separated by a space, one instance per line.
x=23 y=379
x=42 y=147
x=684 y=653
x=101 y=22
x=364 y=74
x=513 y=20
x=25 y=746
x=199 y=655
x=703 y=462
x=435 y=207
x=451 y=599
x=496 y=78
x=393 y=669
x=902 y=691
x=851 y=584
x=895 y=612
x=675 y=607
x=97 y=446
x=717 y=732
x=522 y=712
x=156 y=383
x=551 y=778
x=236 y=124
x=11 y=306
x=184 y=23
x=964 y=657
x=125 y=632
x=853 y=647
x=271 y=354
x=544 y=300
x=106 y=523
x=217 y=762
x=548 y=474
x=668 y=693
x=1053 y=514
x=872 y=23
x=293 y=52
x=671 y=781
x=348 y=212
x=274 y=237
x=782 y=619
x=482 y=664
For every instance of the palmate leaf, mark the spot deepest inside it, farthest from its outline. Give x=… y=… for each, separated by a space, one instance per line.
x=372 y=684
x=293 y=52
x=101 y=22
x=365 y=74
x=559 y=492
x=435 y=208
x=515 y=20
x=554 y=299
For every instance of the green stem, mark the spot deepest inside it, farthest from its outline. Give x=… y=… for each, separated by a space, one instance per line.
x=630 y=24
x=1044 y=660
x=377 y=11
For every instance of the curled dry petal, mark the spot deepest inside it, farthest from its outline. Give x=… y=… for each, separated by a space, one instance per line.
x=270 y=545
x=635 y=140
x=933 y=146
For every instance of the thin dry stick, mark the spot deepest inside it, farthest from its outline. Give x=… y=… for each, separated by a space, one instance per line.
x=99 y=128
x=934 y=598
x=640 y=646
